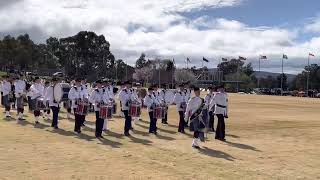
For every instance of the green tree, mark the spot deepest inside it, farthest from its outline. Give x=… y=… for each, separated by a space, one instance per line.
x=141 y=62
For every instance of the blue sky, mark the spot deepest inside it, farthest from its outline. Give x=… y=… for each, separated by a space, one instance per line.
x=179 y=28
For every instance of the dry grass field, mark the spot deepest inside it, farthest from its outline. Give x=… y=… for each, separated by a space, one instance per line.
x=267 y=138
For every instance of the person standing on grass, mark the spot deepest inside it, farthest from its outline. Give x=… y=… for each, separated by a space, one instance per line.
x=180 y=101
x=20 y=86
x=220 y=104
x=207 y=100
x=6 y=90
x=37 y=90
x=54 y=105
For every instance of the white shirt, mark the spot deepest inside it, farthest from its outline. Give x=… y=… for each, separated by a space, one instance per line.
x=187 y=94
x=36 y=90
x=124 y=97
x=191 y=109
x=220 y=99
x=6 y=87
x=179 y=98
x=98 y=96
x=76 y=93
x=150 y=101
x=19 y=87
x=208 y=99
x=49 y=96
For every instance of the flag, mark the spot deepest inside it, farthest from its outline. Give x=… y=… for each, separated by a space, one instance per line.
x=188 y=60
x=242 y=58
x=224 y=59
x=285 y=56
x=205 y=60
x=263 y=57
x=310 y=54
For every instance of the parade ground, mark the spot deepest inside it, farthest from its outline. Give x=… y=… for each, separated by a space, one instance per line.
x=268 y=137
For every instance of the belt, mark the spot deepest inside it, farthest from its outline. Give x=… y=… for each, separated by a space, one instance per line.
x=221 y=106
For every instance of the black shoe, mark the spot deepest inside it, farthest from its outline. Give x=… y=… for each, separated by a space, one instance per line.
x=37 y=122
x=83 y=125
x=155 y=133
x=131 y=128
x=101 y=137
x=126 y=134
x=56 y=127
x=224 y=140
x=196 y=147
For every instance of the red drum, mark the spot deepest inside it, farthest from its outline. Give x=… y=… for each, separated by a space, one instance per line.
x=40 y=104
x=135 y=110
x=159 y=112
x=82 y=109
x=106 y=112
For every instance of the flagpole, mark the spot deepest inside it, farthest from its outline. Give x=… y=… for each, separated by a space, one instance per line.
x=282 y=77
x=126 y=70
x=159 y=75
x=259 y=72
x=238 y=76
x=308 y=74
x=172 y=74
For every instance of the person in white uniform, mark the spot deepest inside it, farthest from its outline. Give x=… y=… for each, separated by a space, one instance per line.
x=179 y=100
x=6 y=92
x=77 y=94
x=54 y=105
x=220 y=104
x=37 y=90
x=19 y=90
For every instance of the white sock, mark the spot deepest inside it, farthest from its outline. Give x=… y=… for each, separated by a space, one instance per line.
x=105 y=124
x=195 y=142
x=37 y=118
x=7 y=113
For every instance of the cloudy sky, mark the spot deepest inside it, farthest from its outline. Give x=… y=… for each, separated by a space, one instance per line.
x=179 y=28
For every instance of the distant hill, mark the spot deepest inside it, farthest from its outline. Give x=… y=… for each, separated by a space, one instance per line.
x=264 y=74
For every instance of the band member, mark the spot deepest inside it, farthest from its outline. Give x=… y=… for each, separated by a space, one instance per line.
x=194 y=109
x=29 y=94
x=108 y=98
x=97 y=98
x=67 y=105
x=54 y=105
x=220 y=104
x=150 y=101
x=46 y=113
x=125 y=99
x=179 y=100
x=136 y=99
x=1 y=79
x=20 y=87
x=37 y=92
x=6 y=90
x=78 y=95
x=161 y=96
x=207 y=100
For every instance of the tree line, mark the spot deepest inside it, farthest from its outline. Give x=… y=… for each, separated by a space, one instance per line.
x=87 y=54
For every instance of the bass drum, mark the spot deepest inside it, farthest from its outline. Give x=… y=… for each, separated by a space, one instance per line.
x=169 y=97
x=61 y=92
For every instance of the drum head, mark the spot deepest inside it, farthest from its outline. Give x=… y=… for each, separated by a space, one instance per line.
x=169 y=97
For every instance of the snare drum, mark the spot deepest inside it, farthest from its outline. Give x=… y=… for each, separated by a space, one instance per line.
x=40 y=104
x=106 y=112
x=135 y=110
x=82 y=109
x=159 y=112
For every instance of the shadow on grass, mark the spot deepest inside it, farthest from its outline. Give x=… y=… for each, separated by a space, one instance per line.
x=242 y=146
x=215 y=153
x=108 y=142
x=140 y=141
x=233 y=136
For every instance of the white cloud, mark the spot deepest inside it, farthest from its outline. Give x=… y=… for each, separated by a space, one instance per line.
x=154 y=27
x=314 y=26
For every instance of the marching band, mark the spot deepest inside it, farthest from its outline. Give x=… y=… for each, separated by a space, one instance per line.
x=196 y=112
